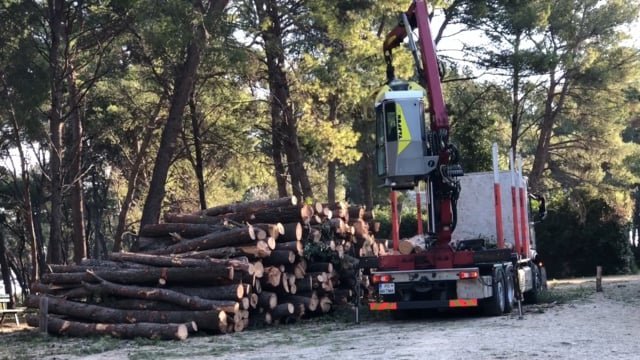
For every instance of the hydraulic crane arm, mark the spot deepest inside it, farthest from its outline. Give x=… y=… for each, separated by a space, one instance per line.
x=441 y=182
x=418 y=16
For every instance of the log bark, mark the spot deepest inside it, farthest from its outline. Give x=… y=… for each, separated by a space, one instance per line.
x=284 y=215
x=320 y=267
x=139 y=304
x=292 y=232
x=232 y=292
x=282 y=310
x=145 y=243
x=170 y=296
x=168 y=261
x=356 y=212
x=268 y=300
x=182 y=229
x=257 y=251
x=205 y=320
x=240 y=236
x=193 y=219
x=125 y=331
x=304 y=285
x=210 y=275
x=310 y=302
x=296 y=246
x=342 y=296
x=249 y=207
x=280 y=257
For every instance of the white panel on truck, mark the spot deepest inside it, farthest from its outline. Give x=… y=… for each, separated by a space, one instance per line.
x=476 y=208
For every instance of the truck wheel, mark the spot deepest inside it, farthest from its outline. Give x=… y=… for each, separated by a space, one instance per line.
x=531 y=296
x=510 y=292
x=495 y=305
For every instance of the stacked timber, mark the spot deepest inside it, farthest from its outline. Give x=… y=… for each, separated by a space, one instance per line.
x=217 y=270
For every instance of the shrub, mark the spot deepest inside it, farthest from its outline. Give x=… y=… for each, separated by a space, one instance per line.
x=573 y=243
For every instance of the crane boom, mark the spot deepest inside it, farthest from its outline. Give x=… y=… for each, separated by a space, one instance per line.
x=418 y=16
x=435 y=161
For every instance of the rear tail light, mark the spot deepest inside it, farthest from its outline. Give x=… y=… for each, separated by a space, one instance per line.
x=464 y=275
x=381 y=278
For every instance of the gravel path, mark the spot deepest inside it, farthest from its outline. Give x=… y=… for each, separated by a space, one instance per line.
x=582 y=324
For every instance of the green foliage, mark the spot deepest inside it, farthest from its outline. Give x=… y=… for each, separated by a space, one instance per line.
x=580 y=233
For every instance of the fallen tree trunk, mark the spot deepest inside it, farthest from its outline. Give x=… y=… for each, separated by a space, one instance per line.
x=149 y=293
x=182 y=229
x=280 y=257
x=292 y=232
x=240 y=236
x=205 y=320
x=282 y=310
x=210 y=275
x=290 y=214
x=295 y=246
x=268 y=300
x=168 y=261
x=249 y=207
x=139 y=304
x=193 y=219
x=257 y=251
x=125 y=331
x=310 y=302
x=233 y=292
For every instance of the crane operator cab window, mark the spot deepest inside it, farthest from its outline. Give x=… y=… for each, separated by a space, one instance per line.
x=386 y=131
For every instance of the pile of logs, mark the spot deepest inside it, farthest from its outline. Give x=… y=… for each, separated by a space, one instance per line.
x=218 y=270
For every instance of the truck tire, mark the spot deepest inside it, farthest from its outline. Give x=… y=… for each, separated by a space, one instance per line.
x=510 y=291
x=495 y=305
x=531 y=296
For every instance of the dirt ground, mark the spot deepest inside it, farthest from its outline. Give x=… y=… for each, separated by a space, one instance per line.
x=573 y=322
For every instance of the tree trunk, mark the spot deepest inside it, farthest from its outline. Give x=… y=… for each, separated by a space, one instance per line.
x=75 y=171
x=285 y=122
x=126 y=331
x=331 y=166
x=331 y=182
x=515 y=93
x=56 y=11
x=132 y=179
x=183 y=85
x=25 y=211
x=4 y=265
x=198 y=164
x=546 y=129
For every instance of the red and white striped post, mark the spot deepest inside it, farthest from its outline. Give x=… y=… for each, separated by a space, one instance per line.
x=514 y=202
x=497 y=197
x=524 y=219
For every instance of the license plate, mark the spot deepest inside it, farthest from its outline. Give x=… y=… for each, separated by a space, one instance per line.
x=387 y=289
